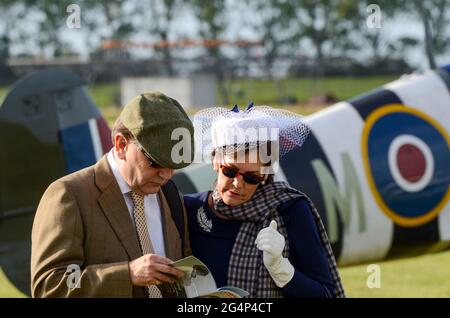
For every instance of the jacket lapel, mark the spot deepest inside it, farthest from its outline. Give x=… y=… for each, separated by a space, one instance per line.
x=115 y=209
x=172 y=240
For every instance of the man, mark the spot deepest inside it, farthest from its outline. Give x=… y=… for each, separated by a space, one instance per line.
x=112 y=221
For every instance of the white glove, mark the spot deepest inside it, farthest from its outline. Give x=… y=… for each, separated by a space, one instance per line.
x=271 y=242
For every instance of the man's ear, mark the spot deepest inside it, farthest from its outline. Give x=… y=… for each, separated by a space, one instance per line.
x=120 y=145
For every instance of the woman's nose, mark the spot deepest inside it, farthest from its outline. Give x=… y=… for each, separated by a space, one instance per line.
x=238 y=181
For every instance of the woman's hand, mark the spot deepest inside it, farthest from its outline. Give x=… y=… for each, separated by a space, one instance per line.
x=272 y=243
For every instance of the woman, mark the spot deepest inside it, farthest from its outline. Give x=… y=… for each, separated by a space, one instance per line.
x=253 y=232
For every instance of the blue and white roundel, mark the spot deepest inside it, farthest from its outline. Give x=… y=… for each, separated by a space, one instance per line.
x=407 y=160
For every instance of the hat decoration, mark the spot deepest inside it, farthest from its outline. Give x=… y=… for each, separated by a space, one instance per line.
x=218 y=128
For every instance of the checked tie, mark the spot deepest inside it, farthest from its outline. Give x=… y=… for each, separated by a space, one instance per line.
x=144 y=238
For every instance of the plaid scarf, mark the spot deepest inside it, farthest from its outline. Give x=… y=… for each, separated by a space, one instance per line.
x=245 y=270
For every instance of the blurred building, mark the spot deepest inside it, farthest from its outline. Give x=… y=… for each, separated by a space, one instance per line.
x=193 y=91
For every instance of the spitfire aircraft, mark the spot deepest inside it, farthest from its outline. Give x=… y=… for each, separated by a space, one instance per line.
x=377 y=166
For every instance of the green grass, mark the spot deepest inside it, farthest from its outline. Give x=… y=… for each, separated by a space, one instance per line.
x=422 y=276
x=7 y=290
x=273 y=92
x=3 y=90
x=105 y=94
x=268 y=92
x=262 y=91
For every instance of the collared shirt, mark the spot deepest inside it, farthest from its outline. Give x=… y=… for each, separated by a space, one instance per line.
x=151 y=208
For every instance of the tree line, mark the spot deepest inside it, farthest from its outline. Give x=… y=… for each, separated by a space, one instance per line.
x=319 y=36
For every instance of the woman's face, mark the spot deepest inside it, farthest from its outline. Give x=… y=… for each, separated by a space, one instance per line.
x=235 y=191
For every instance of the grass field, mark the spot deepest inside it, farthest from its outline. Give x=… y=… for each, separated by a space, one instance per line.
x=268 y=92
x=423 y=276
x=262 y=92
x=7 y=290
x=3 y=91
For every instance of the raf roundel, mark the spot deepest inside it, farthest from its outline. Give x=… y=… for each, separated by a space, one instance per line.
x=411 y=163
x=405 y=154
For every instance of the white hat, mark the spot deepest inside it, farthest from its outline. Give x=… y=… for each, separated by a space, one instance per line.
x=218 y=127
x=243 y=130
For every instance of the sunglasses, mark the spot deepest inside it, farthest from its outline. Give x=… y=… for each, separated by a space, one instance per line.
x=249 y=177
x=151 y=162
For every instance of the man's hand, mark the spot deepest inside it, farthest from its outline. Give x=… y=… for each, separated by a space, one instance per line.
x=152 y=269
x=272 y=243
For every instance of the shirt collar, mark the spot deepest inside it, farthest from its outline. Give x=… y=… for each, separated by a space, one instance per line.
x=124 y=187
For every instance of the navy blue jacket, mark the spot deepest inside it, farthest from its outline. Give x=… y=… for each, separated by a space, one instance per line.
x=312 y=276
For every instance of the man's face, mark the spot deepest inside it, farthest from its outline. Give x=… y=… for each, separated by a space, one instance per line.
x=135 y=168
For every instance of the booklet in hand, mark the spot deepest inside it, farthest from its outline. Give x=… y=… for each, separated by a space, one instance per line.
x=197 y=282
